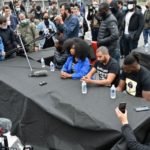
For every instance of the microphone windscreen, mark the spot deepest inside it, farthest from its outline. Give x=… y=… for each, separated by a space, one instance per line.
x=39 y=73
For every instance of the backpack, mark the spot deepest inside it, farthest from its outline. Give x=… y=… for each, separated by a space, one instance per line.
x=85 y=25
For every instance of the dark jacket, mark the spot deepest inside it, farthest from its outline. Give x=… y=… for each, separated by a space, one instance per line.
x=14 y=22
x=81 y=67
x=108 y=33
x=60 y=58
x=132 y=143
x=147 y=19
x=71 y=27
x=8 y=38
x=136 y=25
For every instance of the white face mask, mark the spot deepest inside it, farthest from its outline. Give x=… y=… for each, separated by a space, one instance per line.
x=4 y=27
x=96 y=8
x=17 y=9
x=9 y=22
x=130 y=6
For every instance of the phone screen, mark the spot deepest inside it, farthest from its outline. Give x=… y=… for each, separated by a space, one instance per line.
x=122 y=107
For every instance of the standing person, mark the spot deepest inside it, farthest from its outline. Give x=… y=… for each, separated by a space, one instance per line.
x=108 y=31
x=46 y=27
x=53 y=10
x=81 y=7
x=71 y=23
x=94 y=19
x=146 y=30
x=8 y=38
x=28 y=33
x=80 y=18
x=132 y=27
x=12 y=20
x=128 y=133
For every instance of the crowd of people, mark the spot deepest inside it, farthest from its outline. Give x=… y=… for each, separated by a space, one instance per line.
x=115 y=25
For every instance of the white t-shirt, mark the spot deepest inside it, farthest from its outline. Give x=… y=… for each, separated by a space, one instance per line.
x=127 y=21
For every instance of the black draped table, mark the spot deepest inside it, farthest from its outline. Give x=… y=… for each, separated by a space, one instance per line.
x=47 y=54
x=144 y=54
x=59 y=116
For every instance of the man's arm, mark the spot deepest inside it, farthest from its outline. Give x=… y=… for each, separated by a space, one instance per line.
x=106 y=82
x=146 y=95
x=127 y=132
x=121 y=86
x=90 y=74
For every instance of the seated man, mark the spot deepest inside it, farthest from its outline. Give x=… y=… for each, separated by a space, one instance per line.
x=60 y=54
x=135 y=79
x=107 y=68
x=2 y=53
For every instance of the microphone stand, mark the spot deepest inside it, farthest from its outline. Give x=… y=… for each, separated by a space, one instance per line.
x=38 y=73
x=37 y=39
x=22 y=45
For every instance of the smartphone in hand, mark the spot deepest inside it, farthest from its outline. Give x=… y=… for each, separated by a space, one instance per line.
x=122 y=106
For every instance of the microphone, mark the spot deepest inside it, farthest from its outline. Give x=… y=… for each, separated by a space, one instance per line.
x=39 y=73
x=5 y=125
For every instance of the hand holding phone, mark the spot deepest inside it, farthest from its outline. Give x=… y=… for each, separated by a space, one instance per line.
x=122 y=106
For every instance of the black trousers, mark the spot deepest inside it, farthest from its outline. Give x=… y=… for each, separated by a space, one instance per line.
x=128 y=44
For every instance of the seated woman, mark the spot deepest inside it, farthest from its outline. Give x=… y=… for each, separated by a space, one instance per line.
x=77 y=64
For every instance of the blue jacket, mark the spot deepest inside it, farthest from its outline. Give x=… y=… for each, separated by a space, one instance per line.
x=71 y=27
x=1 y=49
x=42 y=27
x=81 y=67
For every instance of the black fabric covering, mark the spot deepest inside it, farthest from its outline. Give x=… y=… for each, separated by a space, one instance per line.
x=47 y=54
x=59 y=116
x=144 y=56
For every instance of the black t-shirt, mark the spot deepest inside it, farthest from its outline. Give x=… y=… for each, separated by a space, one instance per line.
x=111 y=67
x=137 y=82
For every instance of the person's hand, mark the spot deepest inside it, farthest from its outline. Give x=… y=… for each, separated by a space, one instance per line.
x=3 y=53
x=59 y=19
x=65 y=75
x=36 y=49
x=86 y=79
x=122 y=116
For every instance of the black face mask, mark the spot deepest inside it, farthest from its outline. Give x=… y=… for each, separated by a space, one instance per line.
x=102 y=15
x=46 y=19
x=46 y=22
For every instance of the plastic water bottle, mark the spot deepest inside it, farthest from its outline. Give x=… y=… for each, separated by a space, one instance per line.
x=42 y=62
x=52 y=66
x=146 y=47
x=113 y=92
x=84 y=87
